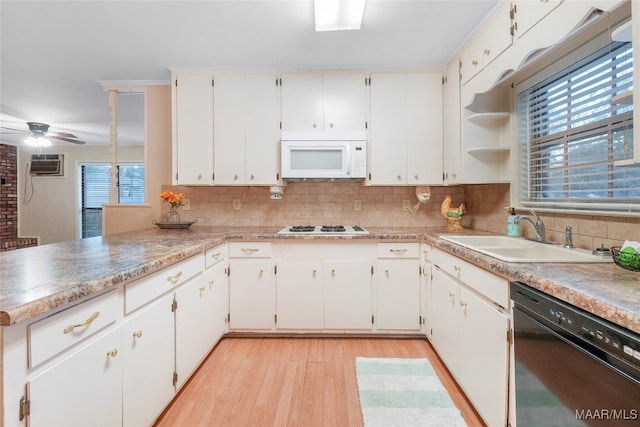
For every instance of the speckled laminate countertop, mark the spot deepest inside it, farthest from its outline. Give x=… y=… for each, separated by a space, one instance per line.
x=36 y=280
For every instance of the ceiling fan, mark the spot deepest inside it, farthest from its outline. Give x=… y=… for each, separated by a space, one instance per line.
x=39 y=135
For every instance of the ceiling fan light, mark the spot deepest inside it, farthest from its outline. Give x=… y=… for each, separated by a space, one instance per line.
x=43 y=142
x=332 y=15
x=39 y=141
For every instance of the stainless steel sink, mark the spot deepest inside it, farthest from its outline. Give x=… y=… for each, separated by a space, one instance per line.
x=517 y=249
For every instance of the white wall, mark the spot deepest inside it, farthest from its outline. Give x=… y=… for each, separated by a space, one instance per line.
x=48 y=205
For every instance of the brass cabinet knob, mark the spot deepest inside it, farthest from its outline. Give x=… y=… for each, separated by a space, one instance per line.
x=137 y=334
x=112 y=353
x=199 y=176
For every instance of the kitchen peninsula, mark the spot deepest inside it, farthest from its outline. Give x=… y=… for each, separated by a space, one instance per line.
x=104 y=274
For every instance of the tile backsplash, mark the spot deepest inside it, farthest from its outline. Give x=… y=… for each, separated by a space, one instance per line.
x=315 y=203
x=333 y=203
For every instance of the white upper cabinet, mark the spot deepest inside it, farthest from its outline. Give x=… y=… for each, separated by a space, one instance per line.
x=324 y=102
x=228 y=129
x=406 y=129
x=246 y=123
x=451 y=132
x=192 y=149
x=528 y=13
x=262 y=132
x=492 y=39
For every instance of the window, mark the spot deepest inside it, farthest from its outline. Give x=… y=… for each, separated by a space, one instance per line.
x=576 y=136
x=95 y=181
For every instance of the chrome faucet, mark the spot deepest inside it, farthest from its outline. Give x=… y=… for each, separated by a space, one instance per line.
x=538 y=226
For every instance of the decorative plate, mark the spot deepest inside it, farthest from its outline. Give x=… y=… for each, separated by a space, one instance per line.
x=173 y=225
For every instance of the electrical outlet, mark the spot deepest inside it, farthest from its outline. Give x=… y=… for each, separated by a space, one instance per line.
x=357 y=205
x=236 y=204
x=186 y=204
x=406 y=204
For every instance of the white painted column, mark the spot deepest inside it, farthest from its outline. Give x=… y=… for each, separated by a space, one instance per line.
x=113 y=146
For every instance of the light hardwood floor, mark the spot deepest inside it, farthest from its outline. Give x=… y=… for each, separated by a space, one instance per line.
x=290 y=382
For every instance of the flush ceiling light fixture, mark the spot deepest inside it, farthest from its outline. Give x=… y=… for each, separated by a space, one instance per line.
x=332 y=15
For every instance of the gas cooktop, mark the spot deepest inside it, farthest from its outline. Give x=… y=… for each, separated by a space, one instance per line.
x=323 y=229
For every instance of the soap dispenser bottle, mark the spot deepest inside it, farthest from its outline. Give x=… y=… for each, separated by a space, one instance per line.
x=513 y=228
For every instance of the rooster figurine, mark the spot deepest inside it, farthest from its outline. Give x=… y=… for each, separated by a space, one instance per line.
x=452 y=215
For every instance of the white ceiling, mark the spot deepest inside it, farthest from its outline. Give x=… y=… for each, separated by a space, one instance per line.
x=54 y=53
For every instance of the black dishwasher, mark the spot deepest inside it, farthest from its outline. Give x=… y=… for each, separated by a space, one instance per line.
x=572 y=368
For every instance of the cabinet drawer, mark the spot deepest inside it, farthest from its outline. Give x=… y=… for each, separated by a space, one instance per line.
x=398 y=250
x=250 y=250
x=213 y=256
x=488 y=284
x=50 y=336
x=142 y=291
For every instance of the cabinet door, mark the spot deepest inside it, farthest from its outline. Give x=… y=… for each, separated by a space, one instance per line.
x=195 y=329
x=299 y=290
x=217 y=284
x=424 y=128
x=397 y=295
x=252 y=294
x=148 y=362
x=345 y=101
x=451 y=137
x=483 y=357
x=347 y=295
x=529 y=13
x=426 y=299
x=193 y=133
x=302 y=103
x=445 y=319
x=262 y=129
x=388 y=141
x=84 y=389
x=228 y=129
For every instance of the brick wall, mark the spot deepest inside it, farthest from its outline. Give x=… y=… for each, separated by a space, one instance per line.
x=9 y=201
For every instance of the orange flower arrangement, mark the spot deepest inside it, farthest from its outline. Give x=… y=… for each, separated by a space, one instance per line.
x=174 y=199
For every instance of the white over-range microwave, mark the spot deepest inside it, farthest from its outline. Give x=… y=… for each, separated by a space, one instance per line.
x=319 y=155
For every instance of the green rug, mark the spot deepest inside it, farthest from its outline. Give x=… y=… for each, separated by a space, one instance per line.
x=403 y=392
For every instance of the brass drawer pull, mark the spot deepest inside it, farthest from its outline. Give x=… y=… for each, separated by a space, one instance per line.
x=216 y=255
x=398 y=251
x=174 y=278
x=93 y=317
x=249 y=250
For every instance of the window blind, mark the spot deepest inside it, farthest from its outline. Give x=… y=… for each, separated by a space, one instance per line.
x=95 y=181
x=576 y=136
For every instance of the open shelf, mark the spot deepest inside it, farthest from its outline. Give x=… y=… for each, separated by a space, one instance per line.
x=488 y=119
x=480 y=150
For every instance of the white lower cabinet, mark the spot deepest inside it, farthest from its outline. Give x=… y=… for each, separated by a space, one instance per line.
x=148 y=362
x=347 y=295
x=299 y=295
x=324 y=285
x=426 y=314
x=470 y=332
x=252 y=286
x=84 y=389
x=197 y=322
x=397 y=287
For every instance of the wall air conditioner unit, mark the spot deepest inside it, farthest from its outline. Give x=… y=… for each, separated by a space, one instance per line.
x=47 y=165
